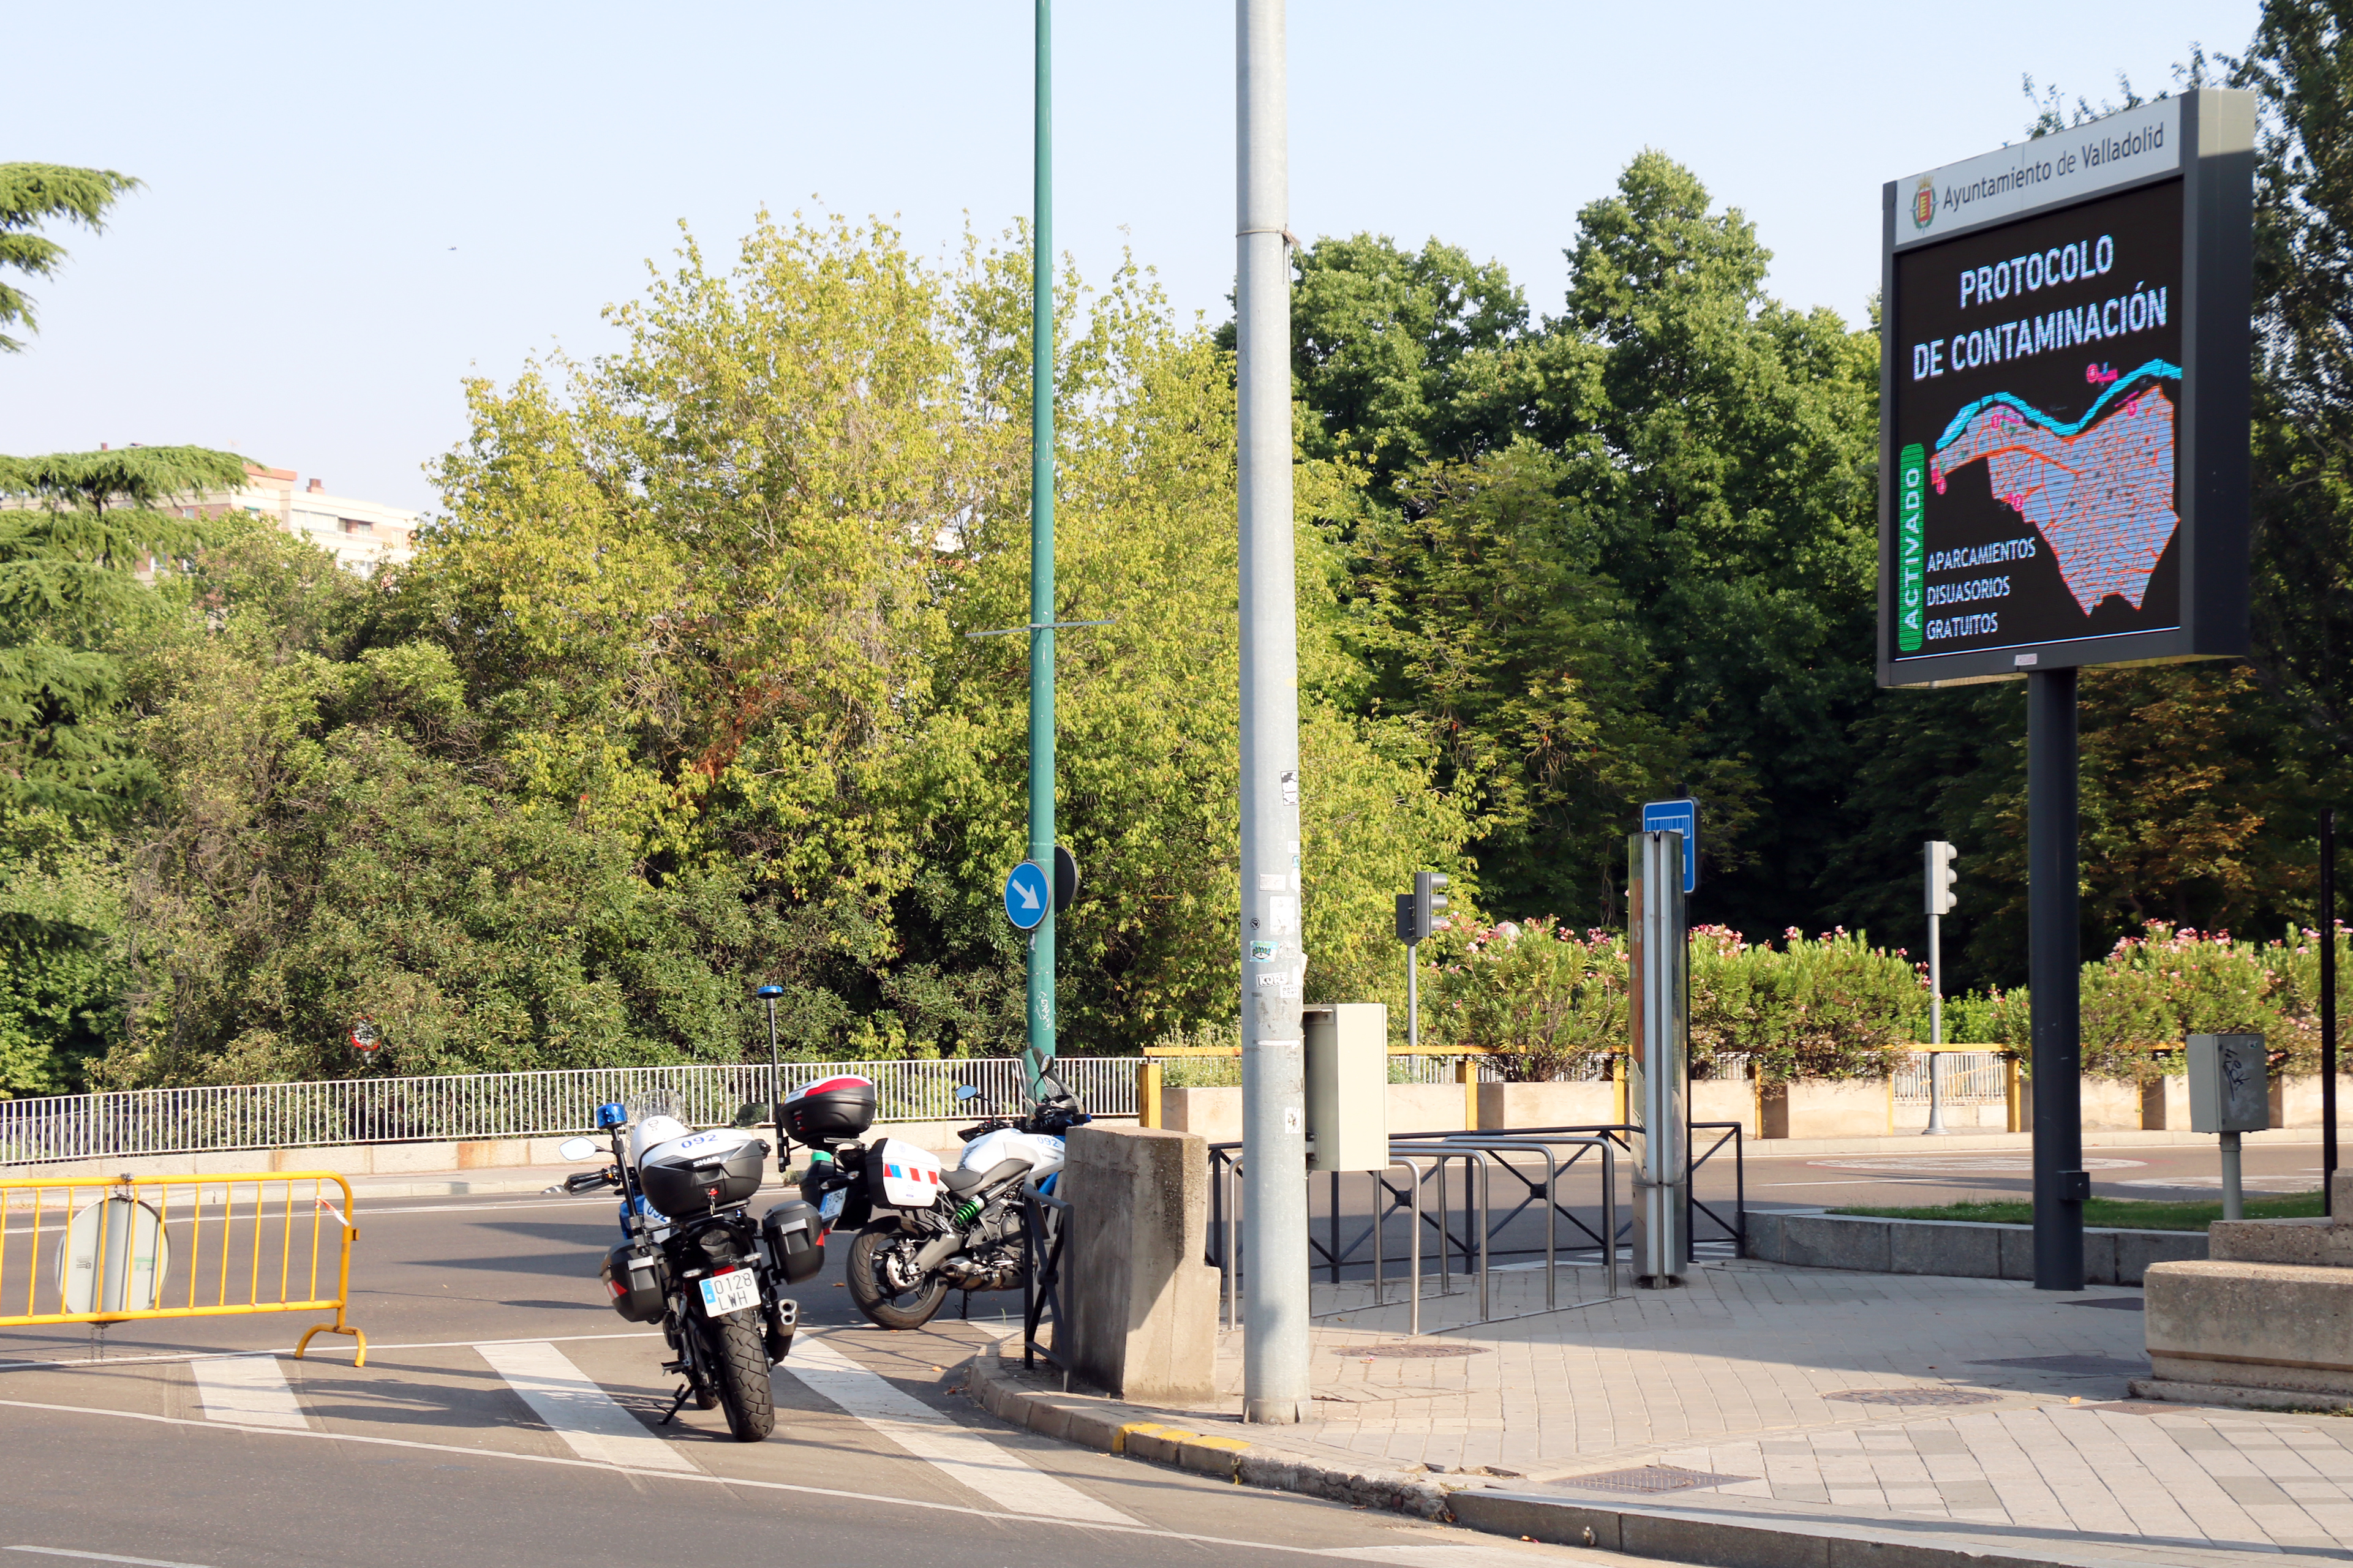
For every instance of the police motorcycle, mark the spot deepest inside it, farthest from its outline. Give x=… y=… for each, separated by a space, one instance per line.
x=923 y=1231
x=693 y=1261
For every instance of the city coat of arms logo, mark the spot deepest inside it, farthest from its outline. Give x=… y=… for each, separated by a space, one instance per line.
x=1924 y=205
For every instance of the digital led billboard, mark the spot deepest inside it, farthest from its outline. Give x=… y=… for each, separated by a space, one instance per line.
x=2058 y=352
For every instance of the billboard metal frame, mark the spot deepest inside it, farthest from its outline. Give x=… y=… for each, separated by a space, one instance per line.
x=2217 y=173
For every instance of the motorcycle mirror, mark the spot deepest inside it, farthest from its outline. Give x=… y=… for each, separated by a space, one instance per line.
x=758 y=1113
x=967 y=1091
x=577 y=1149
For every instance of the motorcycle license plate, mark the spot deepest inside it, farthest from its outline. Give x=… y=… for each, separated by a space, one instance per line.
x=729 y=1292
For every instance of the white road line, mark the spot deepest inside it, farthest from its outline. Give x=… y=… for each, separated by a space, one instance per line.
x=247 y=1391
x=289 y=1350
x=1440 y=1555
x=996 y=1472
x=105 y=1557
x=588 y=1418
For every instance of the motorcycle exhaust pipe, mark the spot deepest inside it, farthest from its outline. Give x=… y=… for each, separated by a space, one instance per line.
x=936 y=1251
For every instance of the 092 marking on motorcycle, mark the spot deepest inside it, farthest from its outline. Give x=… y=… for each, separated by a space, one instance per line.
x=729 y=1292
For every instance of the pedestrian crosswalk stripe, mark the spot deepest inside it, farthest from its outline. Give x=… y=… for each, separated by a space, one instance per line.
x=991 y=1469
x=591 y=1422
x=247 y=1391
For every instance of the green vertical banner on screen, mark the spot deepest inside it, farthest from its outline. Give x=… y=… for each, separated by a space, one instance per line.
x=1911 y=559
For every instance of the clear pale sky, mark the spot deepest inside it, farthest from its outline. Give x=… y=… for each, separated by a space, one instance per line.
x=349 y=209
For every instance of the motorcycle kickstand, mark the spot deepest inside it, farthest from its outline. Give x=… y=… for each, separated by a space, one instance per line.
x=967 y=1306
x=685 y=1393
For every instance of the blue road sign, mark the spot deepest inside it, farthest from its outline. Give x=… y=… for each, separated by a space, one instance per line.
x=1677 y=816
x=1028 y=894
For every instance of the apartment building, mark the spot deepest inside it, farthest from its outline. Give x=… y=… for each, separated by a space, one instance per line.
x=360 y=534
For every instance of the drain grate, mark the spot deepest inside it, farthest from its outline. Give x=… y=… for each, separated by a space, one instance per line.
x=1913 y=1396
x=2114 y=1303
x=2073 y=1365
x=1413 y=1350
x=1648 y=1480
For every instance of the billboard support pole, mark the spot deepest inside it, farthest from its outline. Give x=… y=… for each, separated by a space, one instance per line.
x=2054 y=979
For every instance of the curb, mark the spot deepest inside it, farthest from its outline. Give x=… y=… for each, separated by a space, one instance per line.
x=1757 y=1541
x=1111 y=1427
x=2239 y=1396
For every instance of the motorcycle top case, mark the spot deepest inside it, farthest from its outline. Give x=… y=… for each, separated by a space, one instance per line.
x=793 y=1236
x=900 y=1175
x=637 y=1281
x=704 y=1171
x=831 y=1110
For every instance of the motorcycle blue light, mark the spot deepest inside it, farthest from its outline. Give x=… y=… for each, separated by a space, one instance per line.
x=611 y=1114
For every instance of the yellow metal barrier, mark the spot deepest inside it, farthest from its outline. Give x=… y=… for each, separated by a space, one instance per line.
x=110 y=1245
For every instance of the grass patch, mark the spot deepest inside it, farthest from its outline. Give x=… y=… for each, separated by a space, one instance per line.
x=2110 y=1214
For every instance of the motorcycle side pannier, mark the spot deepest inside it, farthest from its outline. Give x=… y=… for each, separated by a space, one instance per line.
x=794 y=1239
x=830 y=1111
x=637 y=1281
x=689 y=1176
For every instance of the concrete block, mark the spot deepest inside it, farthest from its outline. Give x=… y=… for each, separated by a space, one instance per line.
x=1553 y=1520
x=2315 y=1243
x=2099 y=1257
x=1214 y=1115
x=2137 y=1249
x=1150 y=1441
x=1210 y=1455
x=1505 y=1105
x=1764 y=1242
x=2296 y=1100
x=400 y=1159
x=1961 y=1251
x=1835 y=1241
x=2017 y=1251
x=1718 y=1543
x=1094 y=1426
x=2250 y=1325
x=1858 y=1108
x=1715 y=1099
x=1140 y=1308
x=1428 y=1108
x=2110 y=1105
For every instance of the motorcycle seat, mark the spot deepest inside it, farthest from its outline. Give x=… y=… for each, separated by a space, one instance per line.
x=961 y=1182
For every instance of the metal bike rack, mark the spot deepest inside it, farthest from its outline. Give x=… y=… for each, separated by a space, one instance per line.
x=1426 y=1158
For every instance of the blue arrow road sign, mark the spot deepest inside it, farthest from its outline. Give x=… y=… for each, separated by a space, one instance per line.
x=1028 y=894
x=1677 y=816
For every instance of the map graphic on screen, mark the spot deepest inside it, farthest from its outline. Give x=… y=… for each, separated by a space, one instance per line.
x=2036 y=404
x=2099 y=489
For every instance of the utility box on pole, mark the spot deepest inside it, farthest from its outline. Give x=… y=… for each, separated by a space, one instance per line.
x=2230 y=1093
x=1658 y=1057
x=1347 y=1085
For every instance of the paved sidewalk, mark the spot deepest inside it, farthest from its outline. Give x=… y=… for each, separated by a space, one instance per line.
x=1971 y=1414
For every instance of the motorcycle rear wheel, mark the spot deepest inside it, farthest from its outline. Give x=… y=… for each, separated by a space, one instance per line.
x=883 y=1306
x=739 y=1364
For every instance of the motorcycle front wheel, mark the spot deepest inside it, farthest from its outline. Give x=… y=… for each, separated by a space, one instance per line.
x=884 y=1304
x=739 y=1364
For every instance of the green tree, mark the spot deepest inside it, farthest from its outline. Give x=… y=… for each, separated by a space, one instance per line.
x=81 y=529
x=30 y=195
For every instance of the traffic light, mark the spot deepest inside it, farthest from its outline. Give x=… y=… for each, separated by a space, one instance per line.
x=1418 y=911
x=1940 y=876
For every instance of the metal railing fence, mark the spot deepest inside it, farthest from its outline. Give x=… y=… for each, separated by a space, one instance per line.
x=461 y=1107
x=1967 y=1077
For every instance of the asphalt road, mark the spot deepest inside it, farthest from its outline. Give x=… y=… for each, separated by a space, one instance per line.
x=163 y=1452
x=436 y=1452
